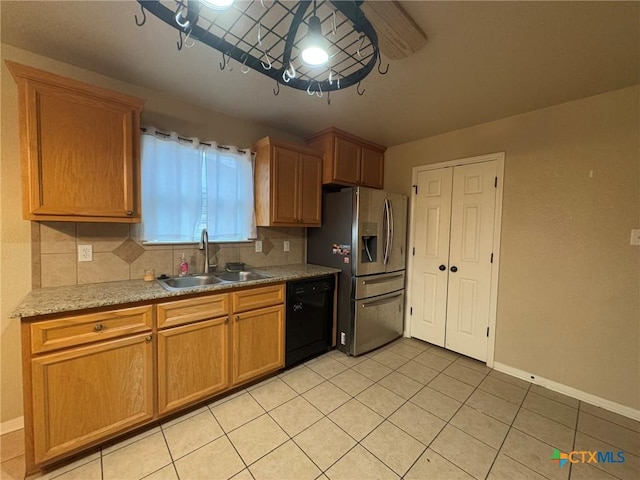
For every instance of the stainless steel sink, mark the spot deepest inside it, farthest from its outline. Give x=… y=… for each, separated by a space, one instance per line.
x=190 y=281
x=241 y=276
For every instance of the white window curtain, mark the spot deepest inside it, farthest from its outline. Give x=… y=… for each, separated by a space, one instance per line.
x=188 y=185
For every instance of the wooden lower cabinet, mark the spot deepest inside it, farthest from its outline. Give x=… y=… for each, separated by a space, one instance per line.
x=91 y=376
x=85 y=394
x=258 y=343
x=192 y=363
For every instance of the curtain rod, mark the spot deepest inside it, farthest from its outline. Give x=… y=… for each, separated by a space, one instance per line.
x=184 y=139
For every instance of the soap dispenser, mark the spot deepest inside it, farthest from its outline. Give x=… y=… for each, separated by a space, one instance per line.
x=184 y=266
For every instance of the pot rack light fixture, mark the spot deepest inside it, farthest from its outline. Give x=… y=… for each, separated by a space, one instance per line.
x=281 y=39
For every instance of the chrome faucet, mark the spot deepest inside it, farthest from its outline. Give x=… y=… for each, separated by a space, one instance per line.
x=204 y=245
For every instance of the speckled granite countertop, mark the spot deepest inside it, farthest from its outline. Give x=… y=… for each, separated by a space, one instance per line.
x=43 y=301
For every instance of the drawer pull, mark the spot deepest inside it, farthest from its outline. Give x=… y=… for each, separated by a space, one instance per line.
x=129 y=212
x=226 y=320
x=98 y=327
x=148 y=338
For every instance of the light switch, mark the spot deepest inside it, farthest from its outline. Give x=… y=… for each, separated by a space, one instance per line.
x=635 y=236
x=287 y=245
x=258 y=246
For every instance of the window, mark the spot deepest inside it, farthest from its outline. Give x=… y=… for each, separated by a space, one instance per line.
x=188 y=186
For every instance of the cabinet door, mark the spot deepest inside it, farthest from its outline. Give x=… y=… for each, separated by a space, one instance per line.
x=83 y=395
x=192 y=362
x=258 y=343
x=284 y=191
x=372 y=168
x=310 y=190
x=81 y=155
x=346 y=162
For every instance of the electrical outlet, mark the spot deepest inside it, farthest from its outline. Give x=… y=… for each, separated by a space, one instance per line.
x=635 y=237
x=85 y=253
x=287 y=245
x=258 y=246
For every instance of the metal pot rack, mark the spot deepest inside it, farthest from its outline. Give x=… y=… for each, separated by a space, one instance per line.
x=266 y=35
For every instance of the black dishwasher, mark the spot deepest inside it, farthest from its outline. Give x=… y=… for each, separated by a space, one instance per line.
x=309 y=320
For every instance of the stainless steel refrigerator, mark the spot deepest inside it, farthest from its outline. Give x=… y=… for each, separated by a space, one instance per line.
x=363 y=233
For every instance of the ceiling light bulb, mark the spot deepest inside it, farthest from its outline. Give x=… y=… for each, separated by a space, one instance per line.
x=217 y=4
x=314 y=54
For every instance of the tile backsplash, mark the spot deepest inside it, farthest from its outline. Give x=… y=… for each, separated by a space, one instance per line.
x=118 y=253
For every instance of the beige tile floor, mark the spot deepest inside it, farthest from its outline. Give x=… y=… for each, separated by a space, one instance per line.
x=409 y=410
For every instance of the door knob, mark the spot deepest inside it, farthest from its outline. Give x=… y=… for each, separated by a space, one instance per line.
x=454 y=269
x=442 y=268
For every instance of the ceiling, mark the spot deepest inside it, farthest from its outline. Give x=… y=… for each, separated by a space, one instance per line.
x=482 y=61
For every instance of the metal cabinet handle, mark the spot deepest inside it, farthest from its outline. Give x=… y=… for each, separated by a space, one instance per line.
x=226 y=320
x=454 y=269
x=129 y=212
x=380 y=280
x=381 y=302
x=98 y=327
x=148 y=338
x=442 y=268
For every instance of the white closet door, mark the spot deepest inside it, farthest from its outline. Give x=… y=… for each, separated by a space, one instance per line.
x=471 y=246
x=431 y=223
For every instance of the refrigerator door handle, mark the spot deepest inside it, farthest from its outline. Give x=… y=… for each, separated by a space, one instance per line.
x=391 y=230
x=387 y=232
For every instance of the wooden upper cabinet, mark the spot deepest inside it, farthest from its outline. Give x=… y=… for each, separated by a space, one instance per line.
x=80 y=149
x=372 y=168
x=348 y=160
x=288 y=188
x=310 y=194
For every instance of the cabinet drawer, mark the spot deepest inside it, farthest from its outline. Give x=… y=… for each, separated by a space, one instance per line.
x=258 y=298
x=77 y=330
x=180 y=312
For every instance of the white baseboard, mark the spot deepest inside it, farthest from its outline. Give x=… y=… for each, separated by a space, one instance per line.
x=11 y=425
x=570 y=391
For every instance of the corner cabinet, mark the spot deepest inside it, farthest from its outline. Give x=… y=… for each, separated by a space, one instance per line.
x=288 y=185
x=80 y=149
x=349 y=160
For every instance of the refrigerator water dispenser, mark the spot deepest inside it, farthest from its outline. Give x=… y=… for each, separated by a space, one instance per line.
x=369 y=253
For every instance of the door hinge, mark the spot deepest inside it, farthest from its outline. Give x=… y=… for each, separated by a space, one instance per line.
x=487 y=331
x=415 y=187
x=411 y=311
x=492 y=258
x=414 y=251
x=495 y=183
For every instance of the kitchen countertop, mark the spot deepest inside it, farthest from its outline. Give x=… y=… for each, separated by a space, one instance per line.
x=43 y=301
